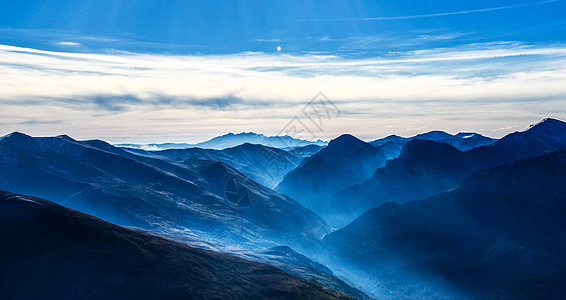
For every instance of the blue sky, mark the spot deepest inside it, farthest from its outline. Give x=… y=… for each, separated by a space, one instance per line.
x=188 y=70
x=205 y=27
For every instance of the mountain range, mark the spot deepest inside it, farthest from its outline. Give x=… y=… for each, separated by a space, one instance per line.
x=424 y=168
x=498 y=234
x=230 y=140
x=432 y=216
x=206 y=198
x=462 y=141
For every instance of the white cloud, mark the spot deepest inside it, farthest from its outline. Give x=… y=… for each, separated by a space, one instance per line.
x=257 y=91
x=68 y=44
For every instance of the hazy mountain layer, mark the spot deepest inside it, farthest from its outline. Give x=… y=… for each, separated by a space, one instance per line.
x=265 y=165
x=345 y=161
x=500 y=234
x=232 y=140
x=463 y=141
x=206 y=198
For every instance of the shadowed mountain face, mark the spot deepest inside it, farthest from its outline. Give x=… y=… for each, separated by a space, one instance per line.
x=345 y=161
x=391 y=150
x=51 y=252
x=423 y=169
x=392 y=138
x=500 y=234
x=206 y=198
x=427 y=168
x=545 y=137
x=263 y=164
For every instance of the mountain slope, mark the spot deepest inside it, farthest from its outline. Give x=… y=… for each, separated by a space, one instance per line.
x=500 y=234
x=299 y=265
x=423 y=169
x=427 y=168
x=391 y=150
x=305 y=151
x=206 y=198
x=544 y=137
x=51 y=252
x=263 y=164
x=281 y=257
x=345 y=161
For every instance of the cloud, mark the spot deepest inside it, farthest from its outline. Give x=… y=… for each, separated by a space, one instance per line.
x=105 y=94
x=265 y=77
x=465 y=12
x=268 y=40
x=68 y=44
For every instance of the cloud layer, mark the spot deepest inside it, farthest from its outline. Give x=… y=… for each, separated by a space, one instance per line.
x=127 y=96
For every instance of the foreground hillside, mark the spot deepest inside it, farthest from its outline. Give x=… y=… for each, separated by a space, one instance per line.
x=51 y=252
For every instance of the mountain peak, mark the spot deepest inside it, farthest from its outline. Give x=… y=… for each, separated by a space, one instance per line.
x=434 y=135
x=419 y=147
x=15 y=136
x=243 y=134
x=347 y=143
x=548 y=124
x=66 y=137
x=250 y=133
x=465 y=135
x=247 y=145
x=546 y=136
x=393 y=136
x=345 y=138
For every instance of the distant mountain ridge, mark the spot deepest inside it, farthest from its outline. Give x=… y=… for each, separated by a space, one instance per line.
x=230 y=140
x=462 y=141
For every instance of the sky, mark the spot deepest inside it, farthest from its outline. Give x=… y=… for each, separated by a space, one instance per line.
x=185 y=71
